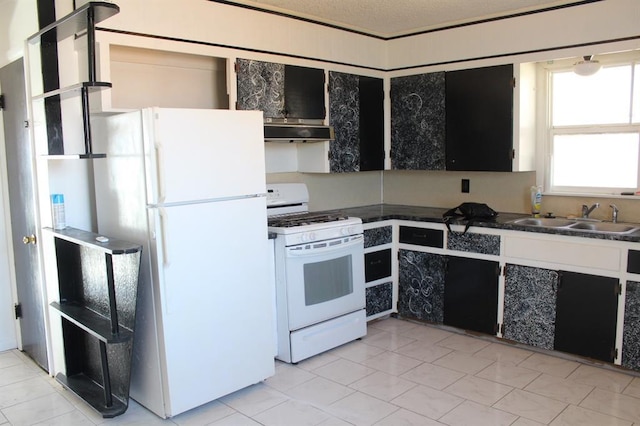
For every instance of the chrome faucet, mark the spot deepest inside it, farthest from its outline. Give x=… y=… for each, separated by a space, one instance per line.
x=587 y=210
x=614 y=213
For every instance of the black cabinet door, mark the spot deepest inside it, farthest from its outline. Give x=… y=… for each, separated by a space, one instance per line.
x=633 y=261
x=471 y=294
x=586 y=315
x=479 y=119
x=377 y=265
x=371 y=123
x=303 y=92
x=422 y=236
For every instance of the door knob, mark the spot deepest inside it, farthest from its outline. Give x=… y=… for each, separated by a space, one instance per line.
x=31 y=239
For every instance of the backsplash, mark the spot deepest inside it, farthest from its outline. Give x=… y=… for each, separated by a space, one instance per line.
x=336 y=190
x=505 y=192
x=568 y=205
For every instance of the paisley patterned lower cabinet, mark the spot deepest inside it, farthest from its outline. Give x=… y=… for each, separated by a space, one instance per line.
x=421 y=286
x=379 y=299
x=378 y=236
x=631 y=330
x=530 y=305
x=377 y=271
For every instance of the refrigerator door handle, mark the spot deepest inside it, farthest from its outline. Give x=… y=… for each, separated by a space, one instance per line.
x=160 y=173
x=164 y=218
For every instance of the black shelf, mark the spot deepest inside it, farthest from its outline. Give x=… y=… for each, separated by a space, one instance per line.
x=98 y=286
x=86 y=238
x=93 y=323
x=93 y=393
x=97 y=280
x=69 y=90
x=78 y=20
x=93 y=155
x=81 y=20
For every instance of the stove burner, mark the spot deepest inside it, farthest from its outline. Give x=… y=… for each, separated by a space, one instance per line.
x=290 y=221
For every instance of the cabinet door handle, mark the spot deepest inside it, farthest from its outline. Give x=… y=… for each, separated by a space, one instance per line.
x=559 y=280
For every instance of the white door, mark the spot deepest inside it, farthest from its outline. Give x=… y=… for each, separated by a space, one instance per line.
x=30 y=289
x=216 y=302
x=197 y=154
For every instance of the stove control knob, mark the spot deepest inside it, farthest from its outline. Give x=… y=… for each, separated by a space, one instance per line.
x=350 y=230
x=309 y=236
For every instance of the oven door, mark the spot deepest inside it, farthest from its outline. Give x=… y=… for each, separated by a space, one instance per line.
x=325 y=279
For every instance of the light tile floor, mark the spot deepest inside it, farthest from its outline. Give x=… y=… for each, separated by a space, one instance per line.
x=402 y=373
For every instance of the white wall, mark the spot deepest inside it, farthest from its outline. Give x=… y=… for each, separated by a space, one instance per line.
x=229 y=26
x=18 y=20
x=523 y=39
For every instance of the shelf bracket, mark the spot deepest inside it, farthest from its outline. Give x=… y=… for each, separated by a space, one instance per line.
x=113 y=311
x=106 y=378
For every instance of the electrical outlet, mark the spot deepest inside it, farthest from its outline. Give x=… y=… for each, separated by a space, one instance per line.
x=465 y=186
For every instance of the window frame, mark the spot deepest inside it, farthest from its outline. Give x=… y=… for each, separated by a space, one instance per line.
x=546 y=70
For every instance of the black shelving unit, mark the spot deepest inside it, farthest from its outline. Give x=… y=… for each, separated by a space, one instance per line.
x=97 y=284
x=81 y=20
x=97 y=281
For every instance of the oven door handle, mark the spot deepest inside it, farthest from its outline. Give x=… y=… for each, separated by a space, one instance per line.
x=292 y=252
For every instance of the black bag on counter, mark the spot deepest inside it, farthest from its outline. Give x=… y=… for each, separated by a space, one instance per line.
x=470 y=212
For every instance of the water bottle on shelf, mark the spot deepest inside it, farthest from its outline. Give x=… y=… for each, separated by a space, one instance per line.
x=57 y=208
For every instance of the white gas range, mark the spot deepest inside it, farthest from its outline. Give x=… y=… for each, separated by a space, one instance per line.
x=319 y=263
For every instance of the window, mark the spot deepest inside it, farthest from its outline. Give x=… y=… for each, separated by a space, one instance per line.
x=594 y=128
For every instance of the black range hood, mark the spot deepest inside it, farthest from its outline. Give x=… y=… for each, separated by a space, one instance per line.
x=288 y=132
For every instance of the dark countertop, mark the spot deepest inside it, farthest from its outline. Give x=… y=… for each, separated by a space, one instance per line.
x=380 y=212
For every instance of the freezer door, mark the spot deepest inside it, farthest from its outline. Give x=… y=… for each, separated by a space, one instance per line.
x=216 y=303
x=195 y=154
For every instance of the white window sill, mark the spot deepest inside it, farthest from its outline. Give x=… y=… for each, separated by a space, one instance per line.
x=592 y=195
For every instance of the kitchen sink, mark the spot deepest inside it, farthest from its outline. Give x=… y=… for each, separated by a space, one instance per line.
x=545 y=222
x=610 y=228
x=578 y=225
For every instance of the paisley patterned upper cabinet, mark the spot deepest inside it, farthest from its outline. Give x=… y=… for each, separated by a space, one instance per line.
x=280 y=91
x=418 y=122
x=356 y=112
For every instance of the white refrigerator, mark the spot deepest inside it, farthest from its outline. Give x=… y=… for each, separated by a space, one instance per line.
x=189 y=185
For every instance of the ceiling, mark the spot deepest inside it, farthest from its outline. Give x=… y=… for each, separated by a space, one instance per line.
x=389 y=18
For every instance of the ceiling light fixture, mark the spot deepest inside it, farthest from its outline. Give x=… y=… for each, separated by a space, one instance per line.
x=587 y=66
